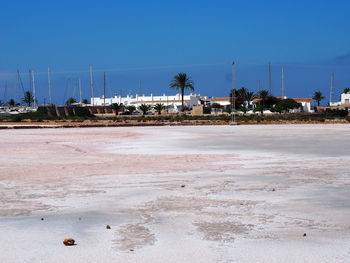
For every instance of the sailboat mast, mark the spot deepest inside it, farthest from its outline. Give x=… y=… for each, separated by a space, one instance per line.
x=79 y=91
x=92 y=87
x=332 y=87
x=270 y=86
x=30 y=81
x=49 y=80
x=5 y=91
x=104 y=88
x=283 y=84
x=34 y=103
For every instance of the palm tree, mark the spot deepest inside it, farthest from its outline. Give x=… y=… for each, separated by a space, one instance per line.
x=263 y=94
x=182 y=82
x=236 y=98
x=28 y=98
x=346 y=90
x=144 y=108
x=70 y=101
x=243 y=93
x=159 y=107
x=131 y=108
x=249 y=97
x=318 y=97
x=116 y=107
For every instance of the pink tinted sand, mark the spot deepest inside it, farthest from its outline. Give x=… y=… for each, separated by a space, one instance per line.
x=249 y=194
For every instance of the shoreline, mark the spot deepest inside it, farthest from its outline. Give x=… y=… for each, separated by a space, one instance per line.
x=101 y=124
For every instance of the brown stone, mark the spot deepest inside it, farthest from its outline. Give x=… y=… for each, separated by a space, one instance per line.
x=182 y=185
x=108 y=226
x=69 y=242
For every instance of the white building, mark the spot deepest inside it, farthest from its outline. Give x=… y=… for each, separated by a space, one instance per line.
x=307 y=104
x=345 y=98
x=223 y=101
x=172 y=102
x=344 y=102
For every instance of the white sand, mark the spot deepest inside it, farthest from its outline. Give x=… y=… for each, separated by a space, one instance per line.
x=250 y=194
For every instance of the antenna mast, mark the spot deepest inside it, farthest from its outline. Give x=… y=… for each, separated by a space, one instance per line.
x=92 y=87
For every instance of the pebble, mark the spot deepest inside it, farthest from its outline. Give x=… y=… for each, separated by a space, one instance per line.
x=69 y=242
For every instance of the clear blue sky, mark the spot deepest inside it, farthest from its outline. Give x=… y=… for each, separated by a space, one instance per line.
x=310 y=38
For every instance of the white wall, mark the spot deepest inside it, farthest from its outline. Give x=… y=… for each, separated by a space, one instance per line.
x=345 y=98
x=173 y=101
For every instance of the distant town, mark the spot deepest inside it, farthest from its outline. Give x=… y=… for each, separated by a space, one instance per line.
x=239 y=102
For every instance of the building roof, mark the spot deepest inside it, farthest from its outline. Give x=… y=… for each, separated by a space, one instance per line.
x=302 y=99
x=257 y=100
x=156 y=101
x=345 y=105
x=221 y=99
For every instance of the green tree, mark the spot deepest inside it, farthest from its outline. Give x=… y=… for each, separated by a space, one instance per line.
x=318 y=96
x=243 y=93
x=85 y=101
x=182 y=82
x=286 y=105
x=116 y=107
x=259 y=108
x=346 y=90
x=243 y=109
x=216 y=106
x=70 y=101
x=263 y=95
x=82 y=112
x=131 y=108
x=249 y=97
x=144 y=108
x=238 y=97
x=28 y=98
x=11 y=102
x=159 y=107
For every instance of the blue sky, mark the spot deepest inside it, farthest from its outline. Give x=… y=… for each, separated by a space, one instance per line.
x=154 y=40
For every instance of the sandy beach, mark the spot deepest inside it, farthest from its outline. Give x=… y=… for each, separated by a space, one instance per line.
x=271 y=193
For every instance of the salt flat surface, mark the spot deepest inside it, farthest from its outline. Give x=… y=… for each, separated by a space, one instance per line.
x=249 y=195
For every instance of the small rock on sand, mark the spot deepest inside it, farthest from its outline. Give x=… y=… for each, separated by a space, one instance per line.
x=69 y=242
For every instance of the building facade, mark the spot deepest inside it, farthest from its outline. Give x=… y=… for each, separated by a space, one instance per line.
x=172 y=102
